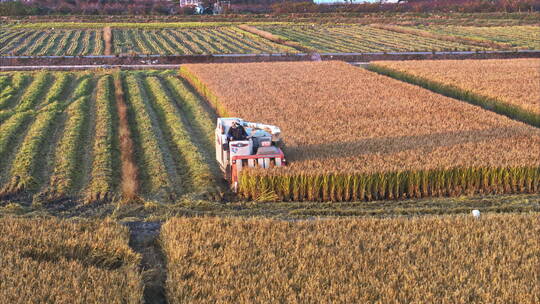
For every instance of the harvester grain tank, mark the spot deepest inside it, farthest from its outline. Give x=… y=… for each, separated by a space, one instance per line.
x=259 y=149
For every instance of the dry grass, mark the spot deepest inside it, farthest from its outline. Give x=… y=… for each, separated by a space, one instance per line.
x=419 y=260
x=514 y=81
x=55 y=261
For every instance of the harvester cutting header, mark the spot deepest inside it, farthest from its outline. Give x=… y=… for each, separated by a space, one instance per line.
x=241 y=144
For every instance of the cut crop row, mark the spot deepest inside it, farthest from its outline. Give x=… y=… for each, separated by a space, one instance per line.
x=71 y=148
x=194 y=169
x=23 y=170
x=192 y=41
x=12 y=89
x=8 y=131
x=158 y=176
x=518 y=37
x=32 y=95
x=104 y=173
x=68 y=152
x=337 y=39
x=52 y=43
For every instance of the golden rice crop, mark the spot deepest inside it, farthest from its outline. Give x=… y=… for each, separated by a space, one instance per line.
x=59 y=261
x=348 y=131
x=513 y=81
x=396 y=260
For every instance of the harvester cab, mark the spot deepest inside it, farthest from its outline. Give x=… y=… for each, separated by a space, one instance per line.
x=259 y=149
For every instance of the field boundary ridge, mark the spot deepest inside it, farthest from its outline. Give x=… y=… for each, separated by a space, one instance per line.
x=8 y=62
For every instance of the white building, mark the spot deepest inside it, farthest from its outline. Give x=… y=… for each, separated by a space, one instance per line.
x=190 y=3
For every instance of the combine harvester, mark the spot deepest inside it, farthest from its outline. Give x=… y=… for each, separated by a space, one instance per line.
x=259 y=148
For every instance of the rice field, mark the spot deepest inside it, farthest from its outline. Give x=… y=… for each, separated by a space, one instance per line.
x=519 y=37
x=221 y=40
x=354 y=38
x=190 y=41
x=56 y=261
x=394 y=260
x=351 y=134
x=514 y=83
x=51 y=42
x=67 y=39
x=101 y=137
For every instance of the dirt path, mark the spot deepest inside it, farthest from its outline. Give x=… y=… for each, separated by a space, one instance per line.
x=89 y=67
x=130 y=171
x=105 y=61
x=107 y=37
x=144 y=240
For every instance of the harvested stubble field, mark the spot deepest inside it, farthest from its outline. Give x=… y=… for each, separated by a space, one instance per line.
x=144 y=40
x=351 y=134
x=191 y=38
x=58 y=42
x=510 y=85
x=399 y=260
x=82 y=137
x=519 y=37
x=220 y=40
x=55 y=261
x=354 y=38
x=133 y=24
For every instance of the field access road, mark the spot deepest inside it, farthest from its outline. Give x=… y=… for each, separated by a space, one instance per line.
x=88 y=67
x=161 y=61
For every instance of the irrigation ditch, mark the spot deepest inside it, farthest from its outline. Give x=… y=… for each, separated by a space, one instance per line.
x=8 y=63
x=144 y=239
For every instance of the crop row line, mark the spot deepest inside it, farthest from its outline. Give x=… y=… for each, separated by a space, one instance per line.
x=390 y=185
x=488 y=103
x=194 y=169
x=156 y=175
